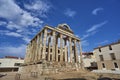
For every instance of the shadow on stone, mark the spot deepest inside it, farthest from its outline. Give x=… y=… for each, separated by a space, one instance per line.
x=74 y=79
x=2 y=75
x=104 y=78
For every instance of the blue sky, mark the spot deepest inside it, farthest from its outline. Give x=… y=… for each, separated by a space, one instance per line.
x=96 y=22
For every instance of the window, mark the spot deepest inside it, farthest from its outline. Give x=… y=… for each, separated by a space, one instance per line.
x=101 y=58
x=17 y=64
x=94 y=64
x=110 y=48
x=115 y=64
x=99 y=49
x=112 y=55
x=103 y=65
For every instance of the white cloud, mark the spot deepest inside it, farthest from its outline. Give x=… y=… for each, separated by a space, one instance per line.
x=2 y=23
x=8 y=33
x=16 y=34
x=12 y=50
x=13 y=34
x=77 y=36
x=96 y=26
x=85 y=43
x=91 y=31
x=16 y=16
x=103 y=42
x=20 y=21
x=40 y=7
x=95 y=11
x=70 y=13
x=88 y=34
x=26 y=39
x=85 y=36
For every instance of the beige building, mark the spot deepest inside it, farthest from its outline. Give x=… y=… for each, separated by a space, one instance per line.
x=89 y=61
x=10 y=63
x=108 y=56
x=52 y=46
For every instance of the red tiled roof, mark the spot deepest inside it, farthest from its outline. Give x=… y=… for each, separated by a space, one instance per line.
x=13 y=57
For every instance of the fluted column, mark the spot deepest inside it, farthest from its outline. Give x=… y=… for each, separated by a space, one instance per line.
x=40 y=46
x=70 y=45
x=36 y=48
x=56 y=49
x=53 y=46
x=81 y=61
x=31 y=47
x=44 y=44
x=37 y=45
x=65 y=53
x=76 y=51
x=30 y=52
x=61 y=47
x=65 y=50
x=49 y=39
x=27 y=55
x=34 y=53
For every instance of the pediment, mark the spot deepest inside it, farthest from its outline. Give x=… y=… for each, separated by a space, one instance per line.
x=65 y=27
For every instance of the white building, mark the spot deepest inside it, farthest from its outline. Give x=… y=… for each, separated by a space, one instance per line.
x=10 y=63
x=89 y=60
x=108 y=56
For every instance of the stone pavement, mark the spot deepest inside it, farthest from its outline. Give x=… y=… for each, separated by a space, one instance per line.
x=73 y=75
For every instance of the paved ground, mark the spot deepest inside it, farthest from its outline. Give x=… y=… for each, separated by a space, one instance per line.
x=80 y=75
x=9 y=76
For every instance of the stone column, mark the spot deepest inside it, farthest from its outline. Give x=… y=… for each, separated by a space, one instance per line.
x=38 y=51
x=70 y=45
x=36 y=45
x=61 y=47
x=32 y=57
x=44 y=44
x=49 y=39
x=53 y=46
x=56 y=49
x=31 y=47
x=27 y=55
x=37 y=40
x=81 y=61
x=65 y=50
x=33 y=50
x=30 y=52
x=36 y=48
x=76 y=51
x=40 y=45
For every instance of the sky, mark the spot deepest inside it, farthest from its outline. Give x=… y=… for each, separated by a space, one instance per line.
x=95 y=22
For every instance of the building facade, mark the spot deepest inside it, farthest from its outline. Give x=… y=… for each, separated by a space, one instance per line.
x=10 y=63
x=89 y=60
x=52 y=46
x=108 y=56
